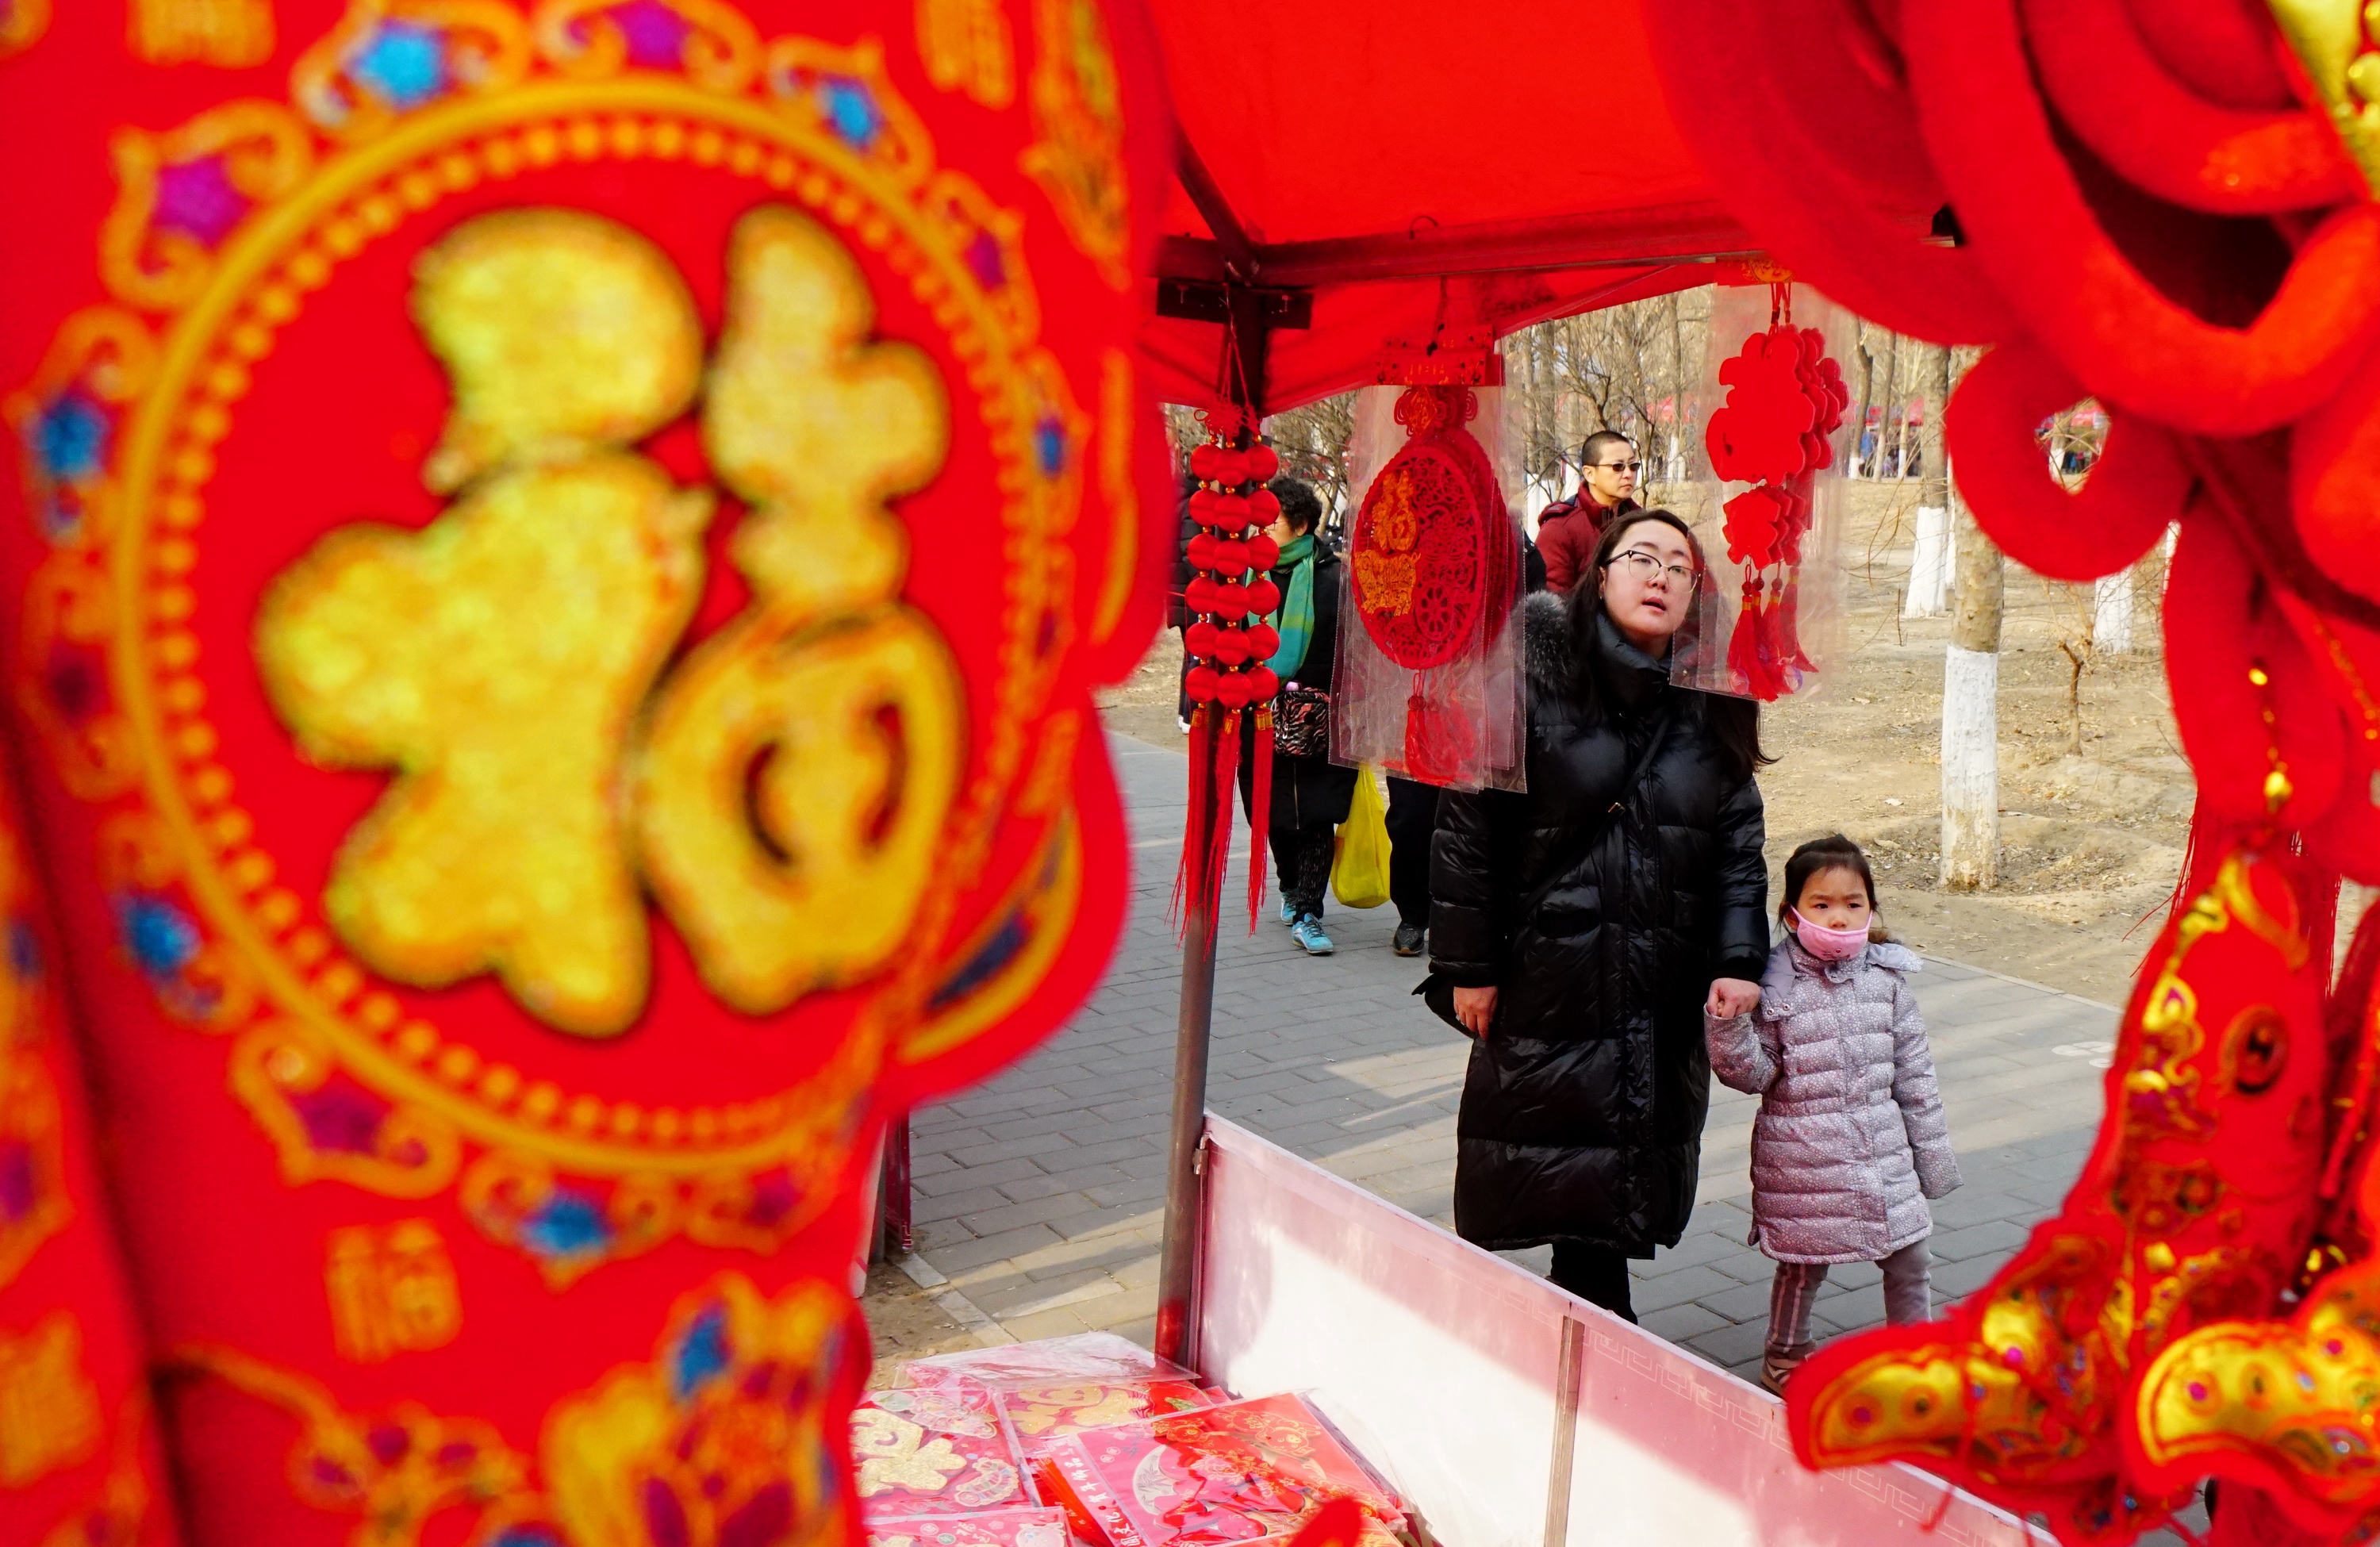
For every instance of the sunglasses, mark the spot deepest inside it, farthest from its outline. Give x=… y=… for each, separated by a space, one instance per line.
x=1618 y=467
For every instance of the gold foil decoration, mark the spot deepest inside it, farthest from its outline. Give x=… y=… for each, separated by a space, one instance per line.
x=893 y=1452
x=265 y=153
x=2330 y=41
x=1077 y=156
x=529 y=621
x=794 y=792
x=232 y=35
x=966 y=46
x=392 y=1290
x=815 y=425
x=49 y=1410
x=23 y=24
x=707 y=1437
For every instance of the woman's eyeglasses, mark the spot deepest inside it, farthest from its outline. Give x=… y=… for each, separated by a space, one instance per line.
x=1645 y=565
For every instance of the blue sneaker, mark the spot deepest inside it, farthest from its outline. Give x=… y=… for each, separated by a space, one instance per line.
x=1288 y=914
x=1308 y=933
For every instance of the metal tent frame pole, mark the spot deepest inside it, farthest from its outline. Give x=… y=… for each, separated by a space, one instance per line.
x=1247 y=316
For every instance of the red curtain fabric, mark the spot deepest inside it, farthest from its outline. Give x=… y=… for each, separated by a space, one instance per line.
x=558 y=554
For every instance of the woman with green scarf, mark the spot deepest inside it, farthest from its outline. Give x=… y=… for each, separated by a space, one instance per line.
x=1310 y=793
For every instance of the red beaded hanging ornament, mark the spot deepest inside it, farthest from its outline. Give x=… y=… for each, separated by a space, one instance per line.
x=1785 y=400
x=1429 y=570
x=1228 y=595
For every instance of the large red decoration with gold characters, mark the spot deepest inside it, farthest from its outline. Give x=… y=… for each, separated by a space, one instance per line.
x=1424 y=563
x=2168 y=208
x=561 y=548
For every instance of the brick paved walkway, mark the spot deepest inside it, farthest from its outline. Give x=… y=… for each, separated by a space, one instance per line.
x=1039 y=1193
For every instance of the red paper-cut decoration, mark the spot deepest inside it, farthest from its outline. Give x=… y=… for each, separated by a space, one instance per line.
x=1785 y=401
x=1425 y=553
x=1756 y=438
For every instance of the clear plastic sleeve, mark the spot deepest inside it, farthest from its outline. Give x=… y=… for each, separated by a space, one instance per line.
x=1767 y=615
x=1427 y=684
x=1093 y=1357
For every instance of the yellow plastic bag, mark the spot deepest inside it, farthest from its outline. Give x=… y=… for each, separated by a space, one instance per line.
x=1359 y=872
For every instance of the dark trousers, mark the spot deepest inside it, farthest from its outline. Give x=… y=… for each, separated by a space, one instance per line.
x=1310 y=797
x=1596 y=1274
x=1413 y=818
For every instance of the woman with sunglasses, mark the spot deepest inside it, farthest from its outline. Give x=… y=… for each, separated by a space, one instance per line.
x=1587 y=925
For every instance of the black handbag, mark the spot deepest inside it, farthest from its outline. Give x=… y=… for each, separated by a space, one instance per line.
x=1300 y=722
x=1436 y=992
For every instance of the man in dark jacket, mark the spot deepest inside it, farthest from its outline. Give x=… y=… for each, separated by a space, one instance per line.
x=1568 y=530
x=1602 y=931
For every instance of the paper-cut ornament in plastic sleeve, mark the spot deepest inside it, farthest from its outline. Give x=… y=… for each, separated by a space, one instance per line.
x=559 y=550
x=1427 y=685
x=80 y=1464
x=1764 y=494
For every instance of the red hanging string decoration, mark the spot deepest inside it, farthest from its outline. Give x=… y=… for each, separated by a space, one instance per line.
x=1231 y=689
x=1785 y=400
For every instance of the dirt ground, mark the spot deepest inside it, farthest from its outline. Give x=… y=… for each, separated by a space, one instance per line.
x=904 y=1324
x=2091 y=844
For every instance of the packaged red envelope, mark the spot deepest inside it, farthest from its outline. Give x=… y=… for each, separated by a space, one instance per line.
x=1042 y=1415
x=1238 y=1472
x=940 y=1452
x=1085 y=1357
x=991 y=1527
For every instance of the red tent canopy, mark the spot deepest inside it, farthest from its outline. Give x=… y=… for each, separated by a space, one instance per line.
x=1366 y=159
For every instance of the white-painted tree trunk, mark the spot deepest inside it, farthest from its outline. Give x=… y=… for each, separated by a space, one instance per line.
x=1931 y=565
x=1971 y=769
x=2111 y=613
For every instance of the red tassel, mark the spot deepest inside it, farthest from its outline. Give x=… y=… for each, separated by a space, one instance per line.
x=1259 y=814
x=1227 y=768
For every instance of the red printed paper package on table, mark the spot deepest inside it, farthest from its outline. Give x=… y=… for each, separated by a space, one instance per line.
x=939 y=1450
x=999 y=1527
x=1427 y=677
x=1242 y=1472
x=80 y=1464
x=2168 y=209
x=560 y=551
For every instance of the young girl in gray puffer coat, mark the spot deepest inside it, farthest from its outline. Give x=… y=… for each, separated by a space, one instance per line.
x=1850 y=1141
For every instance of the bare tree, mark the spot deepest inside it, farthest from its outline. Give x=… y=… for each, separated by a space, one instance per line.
x=1312 y=444
x=1629 y=367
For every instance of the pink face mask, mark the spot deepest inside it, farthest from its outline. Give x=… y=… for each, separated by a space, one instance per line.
x=1825 y=944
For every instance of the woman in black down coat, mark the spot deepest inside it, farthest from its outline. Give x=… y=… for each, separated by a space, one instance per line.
x=1588 y=924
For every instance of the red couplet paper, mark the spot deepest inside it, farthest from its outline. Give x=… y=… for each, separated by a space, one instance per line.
x=558 y=551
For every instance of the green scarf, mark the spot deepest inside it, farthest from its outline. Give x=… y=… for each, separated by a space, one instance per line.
x=1295 y=618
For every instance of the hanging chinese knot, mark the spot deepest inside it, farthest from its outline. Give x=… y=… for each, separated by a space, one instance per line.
x=2169 y=209
x=1230 y=593
x=1430 y=572
x=1785 y=400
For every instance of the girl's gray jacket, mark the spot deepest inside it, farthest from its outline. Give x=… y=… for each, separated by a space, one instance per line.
x=1851 y=1139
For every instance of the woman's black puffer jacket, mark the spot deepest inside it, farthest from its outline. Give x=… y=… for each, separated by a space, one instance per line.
x=1583 y=1111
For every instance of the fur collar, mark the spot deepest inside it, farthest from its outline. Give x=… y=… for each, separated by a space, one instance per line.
x=1628 y=675
x=1544 y=644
